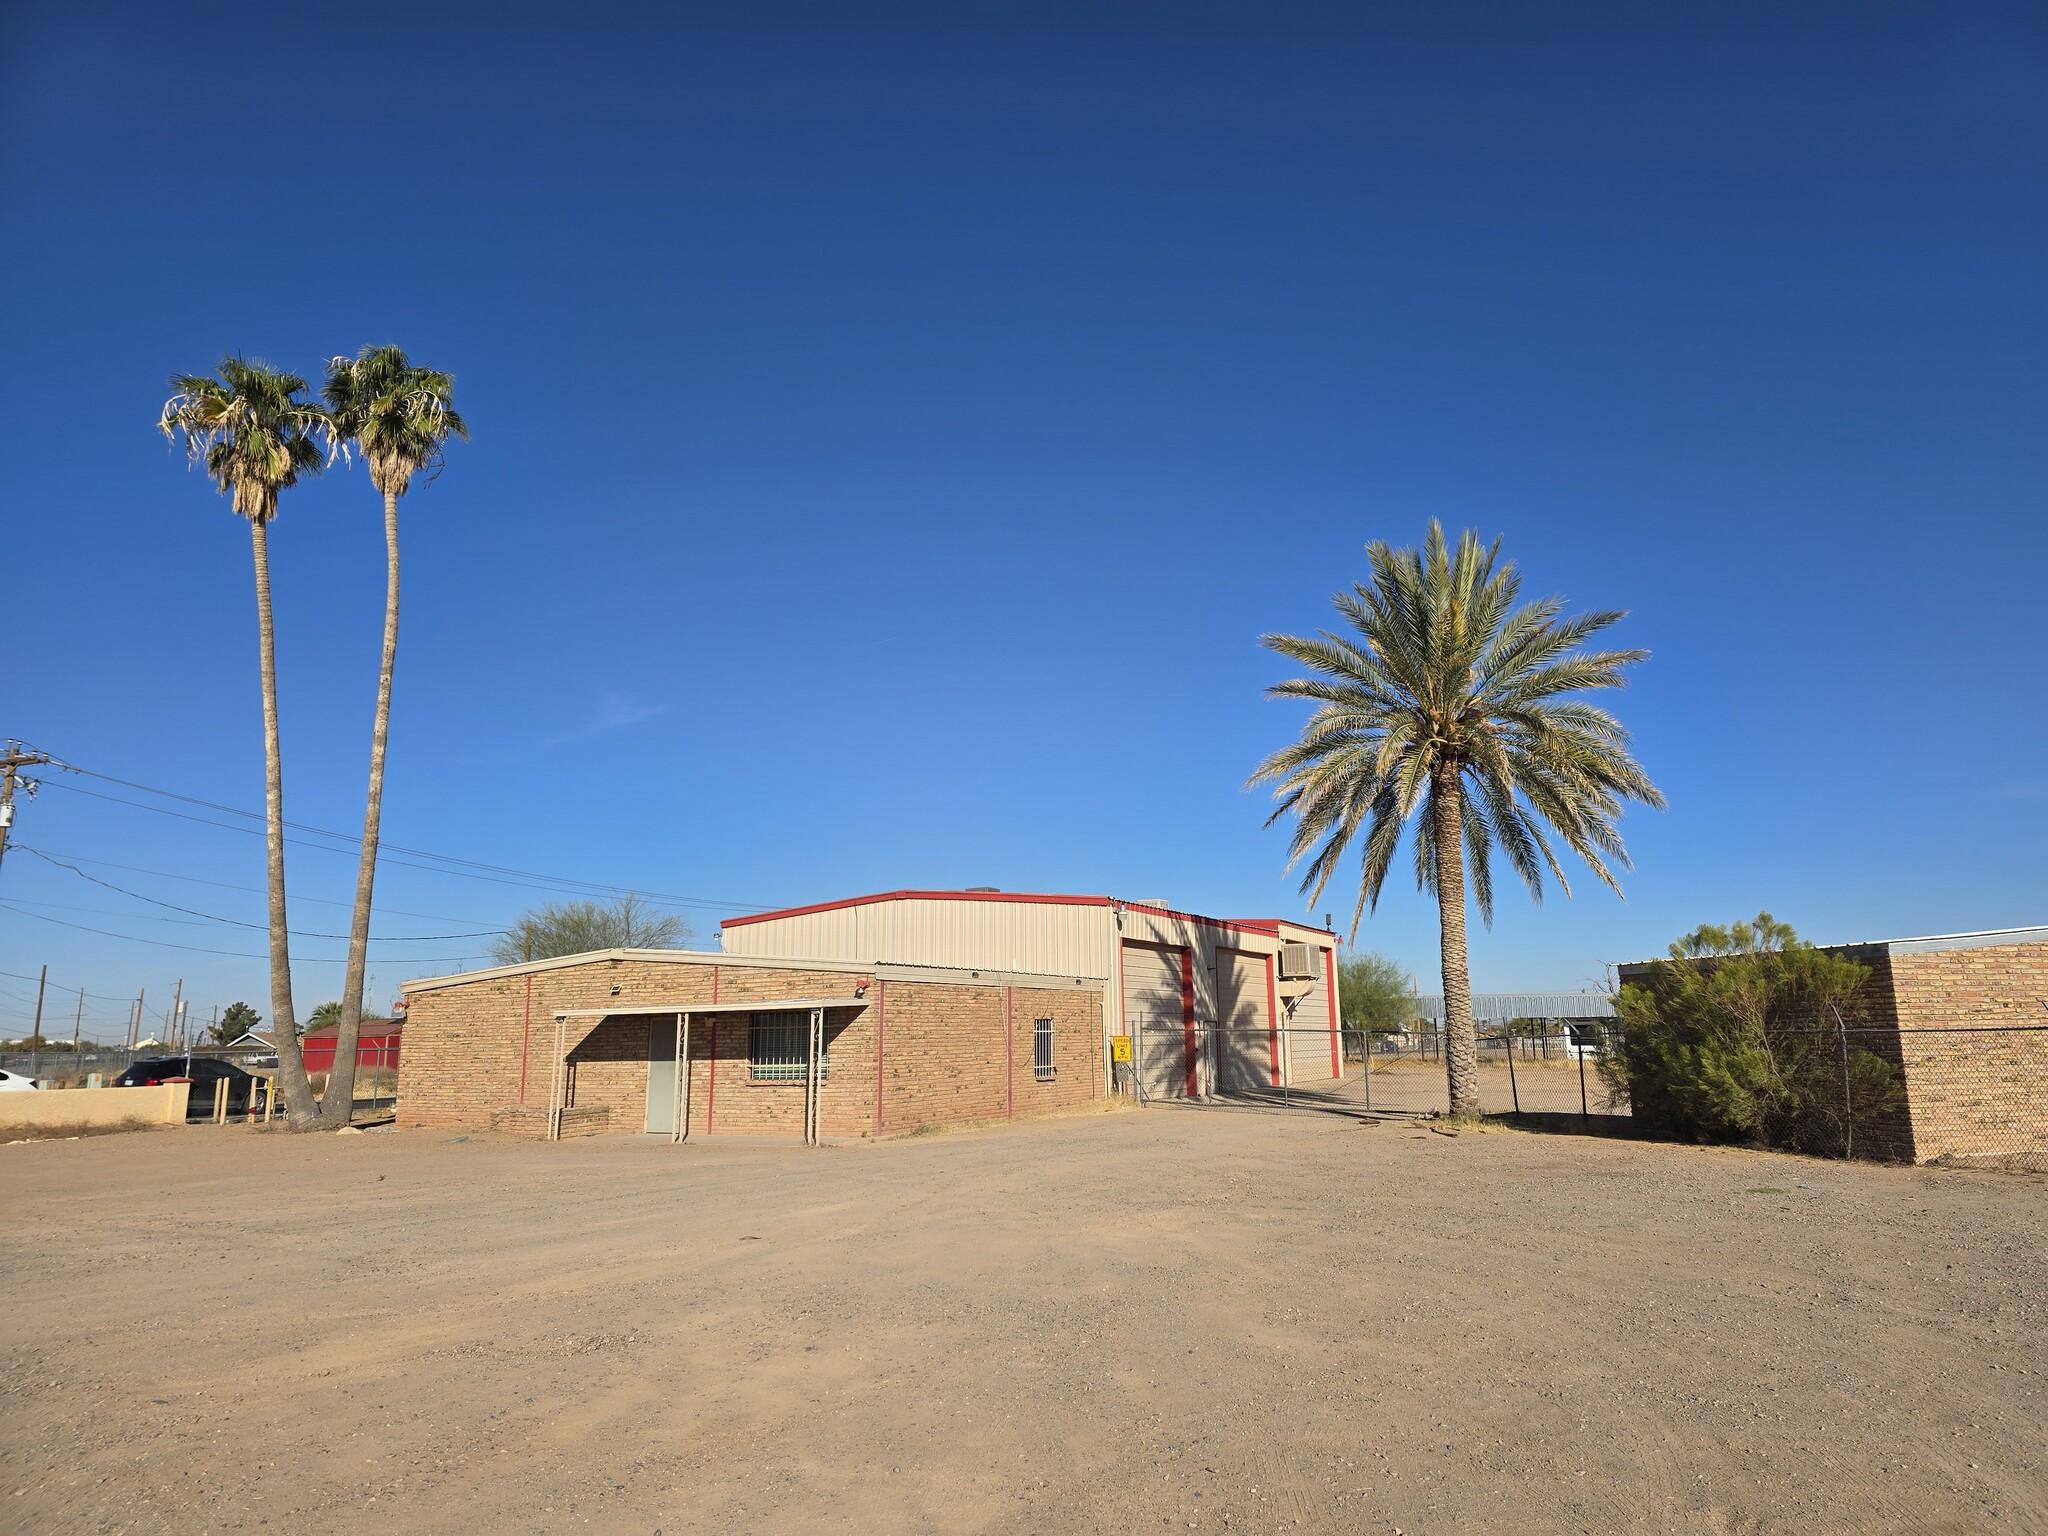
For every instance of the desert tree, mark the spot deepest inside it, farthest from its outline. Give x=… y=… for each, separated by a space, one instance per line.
x=577 y=927
x=256 y=434
x=1447 y=702
x=398 y=418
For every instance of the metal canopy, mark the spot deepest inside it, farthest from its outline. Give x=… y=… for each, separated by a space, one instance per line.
x=757 y=1005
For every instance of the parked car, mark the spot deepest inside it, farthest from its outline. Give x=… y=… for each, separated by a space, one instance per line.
x=14 y=1082
x=202 y=1071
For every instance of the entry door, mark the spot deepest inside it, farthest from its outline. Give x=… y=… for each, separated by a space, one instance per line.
x=1246 y=1049
x=661 y=1077
x=1155 y=1012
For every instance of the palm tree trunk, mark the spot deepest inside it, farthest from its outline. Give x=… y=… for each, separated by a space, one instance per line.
x=1461 y=1040
x=291 y=1066
x=343 y=1079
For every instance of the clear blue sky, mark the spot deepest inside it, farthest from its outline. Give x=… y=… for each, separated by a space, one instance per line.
x=895 y=425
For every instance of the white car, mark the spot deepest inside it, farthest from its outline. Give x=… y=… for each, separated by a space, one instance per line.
x=14 y=1082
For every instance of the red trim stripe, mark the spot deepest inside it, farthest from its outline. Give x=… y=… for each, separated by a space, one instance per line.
x=1330 y=992
x=1273 y=1013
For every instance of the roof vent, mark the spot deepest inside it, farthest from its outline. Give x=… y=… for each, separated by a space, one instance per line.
x=984 y=890
x=1153 y=901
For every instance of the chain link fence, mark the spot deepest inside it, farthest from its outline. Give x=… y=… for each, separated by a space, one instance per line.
x=1969 y=1096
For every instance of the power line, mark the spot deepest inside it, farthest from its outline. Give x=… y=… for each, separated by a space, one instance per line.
x=198 y=949
x=256 y=890
x=553 y=882
x=235 y=922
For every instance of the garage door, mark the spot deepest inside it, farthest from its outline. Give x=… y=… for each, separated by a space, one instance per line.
x=1246 y=1052
x=1155 y=1015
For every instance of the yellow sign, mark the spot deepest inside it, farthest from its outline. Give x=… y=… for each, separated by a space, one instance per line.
x=1119 y=1047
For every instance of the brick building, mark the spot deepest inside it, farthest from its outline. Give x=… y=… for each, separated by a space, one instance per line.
x=591 y=1043
x=1963 y=1019
x=909 y=1008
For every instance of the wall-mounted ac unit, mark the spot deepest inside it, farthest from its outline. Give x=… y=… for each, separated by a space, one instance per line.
x=1300 y=962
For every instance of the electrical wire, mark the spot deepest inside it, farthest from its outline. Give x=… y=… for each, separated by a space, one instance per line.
x=516 y=876
x=197 y=949
x=235 y=922
x=257 y=890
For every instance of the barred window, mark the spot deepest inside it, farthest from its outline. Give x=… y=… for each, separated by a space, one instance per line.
x=778 y=1047
x=1042 y=1066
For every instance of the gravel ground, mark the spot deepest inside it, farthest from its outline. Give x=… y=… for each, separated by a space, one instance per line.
x=1214 y=1320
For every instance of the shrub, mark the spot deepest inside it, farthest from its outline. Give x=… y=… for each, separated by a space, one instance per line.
x=1737 y=1038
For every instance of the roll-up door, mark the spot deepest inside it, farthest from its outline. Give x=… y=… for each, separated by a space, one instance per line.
x=1156 y=992
x=1247 y=1052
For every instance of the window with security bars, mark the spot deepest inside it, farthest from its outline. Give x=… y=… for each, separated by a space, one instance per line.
x=1042 y=1066
x=778 y=1048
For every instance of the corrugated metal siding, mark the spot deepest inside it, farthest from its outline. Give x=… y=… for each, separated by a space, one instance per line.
x=1040 y=937
x=1308 y=1043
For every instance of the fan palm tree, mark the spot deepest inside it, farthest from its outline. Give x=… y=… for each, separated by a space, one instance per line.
x=1449 y=700
x=250 y=427
x=399 y=418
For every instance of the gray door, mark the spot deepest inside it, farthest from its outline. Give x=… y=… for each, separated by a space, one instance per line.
x=661 y=1077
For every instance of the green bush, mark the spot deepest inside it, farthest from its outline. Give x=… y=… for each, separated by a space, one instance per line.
x=1737 y=1038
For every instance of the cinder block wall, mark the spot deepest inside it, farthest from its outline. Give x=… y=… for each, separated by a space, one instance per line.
x=920 y=1053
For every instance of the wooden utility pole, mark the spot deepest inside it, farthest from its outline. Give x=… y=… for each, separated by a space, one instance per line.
x=35 y=1036
x=16 y=758
x=77 y=1019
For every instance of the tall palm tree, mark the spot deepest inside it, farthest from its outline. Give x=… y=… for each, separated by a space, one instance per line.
x=255 y=434
x=399 y=418
x=1447 y=701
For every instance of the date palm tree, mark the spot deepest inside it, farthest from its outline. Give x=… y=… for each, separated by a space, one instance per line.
x=255 y=434
x=1448 y=704
x=398 y=417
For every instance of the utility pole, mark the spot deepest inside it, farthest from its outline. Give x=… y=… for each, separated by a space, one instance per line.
x=35 y=1036
x=77 y=1019
x=16 y=758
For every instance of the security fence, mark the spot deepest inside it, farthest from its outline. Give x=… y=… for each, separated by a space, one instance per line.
x=1539 y=1069
x=376 y=1067
x=1968 y=1095
x=1962 y=1095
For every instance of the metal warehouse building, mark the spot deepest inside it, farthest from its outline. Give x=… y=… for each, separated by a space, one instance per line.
x=1212 y=1005
x=877 y=1015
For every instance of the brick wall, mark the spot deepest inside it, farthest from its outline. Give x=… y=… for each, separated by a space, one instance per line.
x=1974 y=1095
x=919 y=1053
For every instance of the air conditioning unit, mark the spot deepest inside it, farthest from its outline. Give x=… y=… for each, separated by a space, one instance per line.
x=1301 y=962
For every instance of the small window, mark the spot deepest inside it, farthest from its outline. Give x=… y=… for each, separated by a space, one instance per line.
x=1042 y=1066
x=778 y=1048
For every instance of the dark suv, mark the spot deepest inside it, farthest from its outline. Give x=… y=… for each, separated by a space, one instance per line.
x=204 y=1072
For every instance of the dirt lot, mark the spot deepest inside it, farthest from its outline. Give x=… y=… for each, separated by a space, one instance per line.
x=1215 y=1320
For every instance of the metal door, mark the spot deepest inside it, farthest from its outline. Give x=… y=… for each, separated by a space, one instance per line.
x=1247 y=1053
x=661 y=1077
x=1155 y=1014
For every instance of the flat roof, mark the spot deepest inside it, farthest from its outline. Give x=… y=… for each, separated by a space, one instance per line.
x=758 y=1005
x=954 y=974
x=1025 y=898
x=1983 y=938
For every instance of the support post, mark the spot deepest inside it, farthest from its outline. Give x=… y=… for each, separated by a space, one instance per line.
x=1585 y=1115
x=1514 y=1088
x=675 y=1092
x=816 y=1045
x=683 y=1114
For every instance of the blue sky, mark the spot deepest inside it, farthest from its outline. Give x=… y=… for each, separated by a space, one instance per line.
x=895 y=425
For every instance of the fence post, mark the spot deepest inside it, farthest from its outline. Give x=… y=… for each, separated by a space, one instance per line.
x=1585 y=1114
x=1368 y=1071
x=1513 y=1087
x=1848 y=1094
